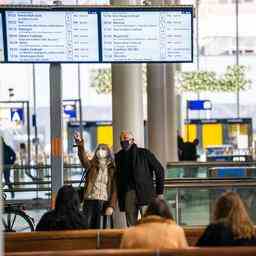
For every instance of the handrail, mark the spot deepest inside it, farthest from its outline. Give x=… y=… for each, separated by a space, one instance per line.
x=209 y=183
x=169 y=183
x=43 y=166
x=169 y=164
x=209 y=164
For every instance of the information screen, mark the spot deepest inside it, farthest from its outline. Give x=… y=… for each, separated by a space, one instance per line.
x=1 y=40
x=52 y=36
x=147 y=36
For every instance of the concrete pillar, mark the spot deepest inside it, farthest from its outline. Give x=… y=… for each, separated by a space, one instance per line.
x=127 y=101
x=172 y=148
x=127 y=97
x=127 y=105
x=172 y=151
x=179 y=113
x=157 y=122
x=179 y=106
x=156 y=92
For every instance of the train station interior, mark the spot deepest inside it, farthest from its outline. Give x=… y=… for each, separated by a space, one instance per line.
x=173 y=73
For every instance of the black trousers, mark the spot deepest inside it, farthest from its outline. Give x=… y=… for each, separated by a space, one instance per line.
x=94 y=213
x=7 y=175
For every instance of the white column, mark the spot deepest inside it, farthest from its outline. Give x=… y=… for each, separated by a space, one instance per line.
x=127 y=97
x=172 y=150
x=127 y=105
x=127 y=101
x=157 y=123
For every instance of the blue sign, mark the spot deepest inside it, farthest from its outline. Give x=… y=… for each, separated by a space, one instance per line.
x=70 y=110
x=17 y=114
x=199 y=105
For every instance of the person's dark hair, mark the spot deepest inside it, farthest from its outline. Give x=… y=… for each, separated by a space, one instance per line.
x=66 y=214
x=160 y=208
x=2 y=139
x=22 y=146
x=180 y=142
x=67 y=200
x=196 y=142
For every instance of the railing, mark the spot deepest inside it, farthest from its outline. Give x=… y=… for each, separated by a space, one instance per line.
x=199 y=184
x=189 y=196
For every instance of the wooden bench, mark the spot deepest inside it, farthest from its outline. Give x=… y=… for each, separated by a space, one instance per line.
x=75 y=240
x=194 y=251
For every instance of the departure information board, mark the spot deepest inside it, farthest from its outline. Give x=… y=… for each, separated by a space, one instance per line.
x=124 y=34
x=47 y=36
x=1 y=40
x=146 y=36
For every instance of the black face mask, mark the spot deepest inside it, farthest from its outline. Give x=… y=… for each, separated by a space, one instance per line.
x=125 y=144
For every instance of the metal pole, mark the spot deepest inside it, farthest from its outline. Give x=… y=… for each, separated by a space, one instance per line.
x=197 y=44
x=56 y=129
x=237 y=59
x=28 y=132
x=35 y=127
x=34 y=112
x=187 y=124
x=80 y=102
x=79 y=96
x=177 y=200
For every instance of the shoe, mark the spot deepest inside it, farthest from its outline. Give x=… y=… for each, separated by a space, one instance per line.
x=12 y=194
x=11 y=191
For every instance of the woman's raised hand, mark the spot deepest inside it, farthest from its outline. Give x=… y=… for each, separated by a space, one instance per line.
x=78 y=139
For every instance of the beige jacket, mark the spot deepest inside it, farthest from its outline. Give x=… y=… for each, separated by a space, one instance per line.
x=154 y=232
x=92 y=167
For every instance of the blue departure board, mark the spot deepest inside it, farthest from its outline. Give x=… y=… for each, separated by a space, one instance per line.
x=163 y=35
x=47 y=36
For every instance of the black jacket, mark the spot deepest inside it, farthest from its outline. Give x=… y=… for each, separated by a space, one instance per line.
x=220 y=234
x=143 y=165
x=9 y=155
x=51 y=221
x=188 y=152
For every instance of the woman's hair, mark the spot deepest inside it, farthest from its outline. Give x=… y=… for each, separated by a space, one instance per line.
x=67 y=201
x=160 y=208
x=230 y=209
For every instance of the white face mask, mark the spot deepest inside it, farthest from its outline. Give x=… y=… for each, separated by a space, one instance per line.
x=101 y=153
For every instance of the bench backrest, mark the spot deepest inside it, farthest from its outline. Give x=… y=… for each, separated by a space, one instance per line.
x=223 y=251
x=62 y=240
x=74 y=240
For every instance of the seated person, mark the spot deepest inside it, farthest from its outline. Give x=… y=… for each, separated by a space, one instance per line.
x=66 y=214
x=156 y=230
x=231 y=225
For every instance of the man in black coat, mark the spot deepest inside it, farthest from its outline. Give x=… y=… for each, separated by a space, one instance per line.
x=136 y=168
x=189 y=152
x=9 y=157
